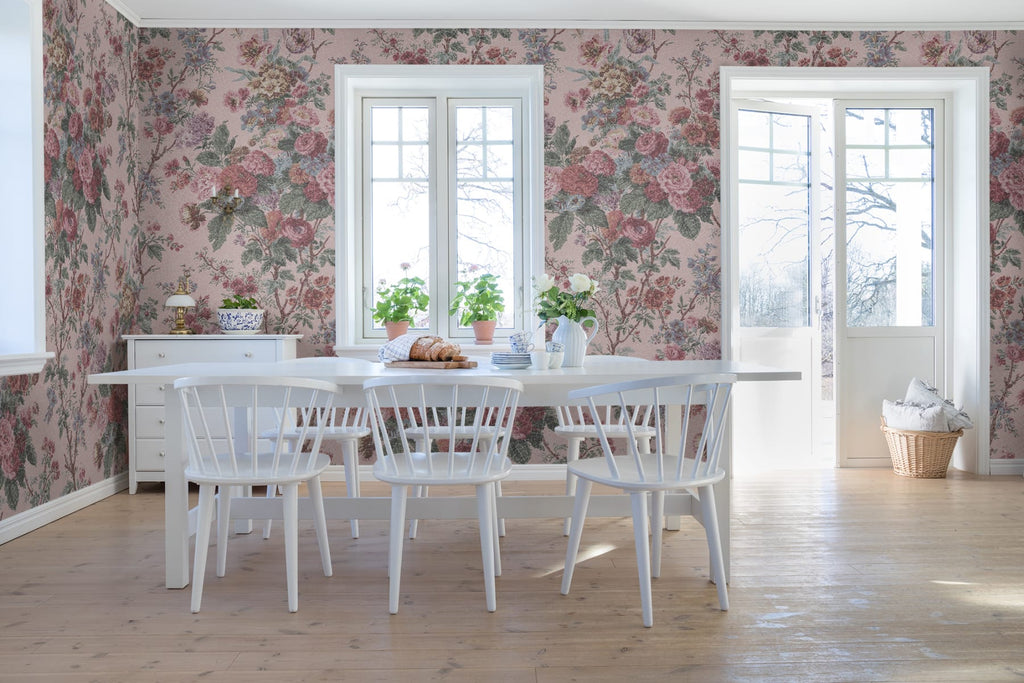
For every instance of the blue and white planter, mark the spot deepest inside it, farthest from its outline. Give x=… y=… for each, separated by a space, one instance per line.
x=240 y=320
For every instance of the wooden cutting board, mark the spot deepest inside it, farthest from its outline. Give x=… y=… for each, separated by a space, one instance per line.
x=432 y=364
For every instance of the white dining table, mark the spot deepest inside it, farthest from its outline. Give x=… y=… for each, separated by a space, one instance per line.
x=541 y=388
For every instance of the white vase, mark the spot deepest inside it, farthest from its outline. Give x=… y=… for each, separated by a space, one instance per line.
x=574 y=339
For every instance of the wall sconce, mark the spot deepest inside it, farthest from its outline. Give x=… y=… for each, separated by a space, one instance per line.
x=179 y=301
x=223 y=200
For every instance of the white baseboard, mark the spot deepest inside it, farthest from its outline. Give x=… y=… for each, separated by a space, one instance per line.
x=519 y=472
x=1015 y=466
x=30 y=520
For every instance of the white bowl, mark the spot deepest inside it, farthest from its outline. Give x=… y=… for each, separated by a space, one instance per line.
x=240 y=320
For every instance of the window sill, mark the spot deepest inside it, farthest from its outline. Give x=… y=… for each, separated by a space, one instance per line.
x=23 y=363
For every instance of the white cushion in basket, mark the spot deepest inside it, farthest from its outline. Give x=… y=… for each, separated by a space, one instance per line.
x=921 y=393
x=903 y=415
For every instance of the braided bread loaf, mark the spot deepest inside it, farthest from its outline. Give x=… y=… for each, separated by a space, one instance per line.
x=434 y=348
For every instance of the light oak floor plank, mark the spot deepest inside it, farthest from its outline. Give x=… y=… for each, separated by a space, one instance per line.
x=846 y=575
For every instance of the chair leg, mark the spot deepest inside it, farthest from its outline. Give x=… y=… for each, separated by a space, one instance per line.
x=571 y=456
x=643 y=554
x=485 y=510
x=223 y=527
x=497 y=524
x=206 y=504
x=500 y=520
x=421 y=446
x=268 y=523
x=709 y=513
x=657 y=527
x=348 y=457
x=291 y=543
x=579 y=515
x=316 y=497
x=395 y=540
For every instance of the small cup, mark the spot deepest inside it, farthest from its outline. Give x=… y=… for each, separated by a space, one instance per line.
x=539 y=360
x=555 y=359
x=521 y=342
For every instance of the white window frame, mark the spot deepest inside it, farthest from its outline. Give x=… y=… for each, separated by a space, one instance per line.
x=22 y=263
x=473 y=82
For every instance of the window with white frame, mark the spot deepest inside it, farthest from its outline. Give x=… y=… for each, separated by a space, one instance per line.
x=440 y=180
x=22 y=309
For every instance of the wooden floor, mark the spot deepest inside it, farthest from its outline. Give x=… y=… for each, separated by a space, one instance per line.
x=852 y=575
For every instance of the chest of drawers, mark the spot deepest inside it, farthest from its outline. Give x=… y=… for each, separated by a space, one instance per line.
x=146 y=401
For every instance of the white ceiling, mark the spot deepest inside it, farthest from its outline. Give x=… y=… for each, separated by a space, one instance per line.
x=736 y=14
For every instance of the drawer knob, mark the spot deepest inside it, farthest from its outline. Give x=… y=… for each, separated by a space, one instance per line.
x=160 y=454
x=161 y=355
x=161 y=421
x=248 y=354
x=160 y=387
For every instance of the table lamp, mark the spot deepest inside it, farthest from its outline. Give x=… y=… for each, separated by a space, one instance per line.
x=179 y=301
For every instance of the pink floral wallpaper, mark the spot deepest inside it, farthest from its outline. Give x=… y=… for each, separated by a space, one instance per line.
x=141 y=123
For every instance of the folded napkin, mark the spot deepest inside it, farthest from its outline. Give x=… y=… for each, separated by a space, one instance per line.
x=922 y=393
x=398 y=348
x=913 y=417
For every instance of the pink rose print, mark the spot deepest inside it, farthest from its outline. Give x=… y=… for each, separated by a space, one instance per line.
x=258 y=163
x=298 y=231
x=577 y=180
x=239 y=179
x=1012 y=182
x=599 y=163
x=10 y=460
x=639 y=231
x=311 y=144
x=652 y=144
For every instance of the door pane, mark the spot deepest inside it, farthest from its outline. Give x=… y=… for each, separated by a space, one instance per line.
x=890 y=222
x=774 y=221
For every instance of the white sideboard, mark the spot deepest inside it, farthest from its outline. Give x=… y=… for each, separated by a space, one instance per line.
x=146 y=401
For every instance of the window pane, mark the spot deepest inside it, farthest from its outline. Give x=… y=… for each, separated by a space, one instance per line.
x=384 y=123
x=790 y=168
x=470 y=162
x=499 y=161
x=910 y=163
x=499 y=123
x=485 y=236
x=385 y=161
x=415 y=124
x=865 y=163
x=469 y=124
x=755 y=126
x=865 y=126
x=789 y=133
x=400 y=234
x=755 y=165
x=910 y=127
x=415 y=161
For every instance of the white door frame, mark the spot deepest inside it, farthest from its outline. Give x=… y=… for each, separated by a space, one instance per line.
x=967 y=340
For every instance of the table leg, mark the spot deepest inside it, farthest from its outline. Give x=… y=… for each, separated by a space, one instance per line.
x=175 y=496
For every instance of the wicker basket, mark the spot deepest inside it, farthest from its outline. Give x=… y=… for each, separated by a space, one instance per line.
x=924 y=455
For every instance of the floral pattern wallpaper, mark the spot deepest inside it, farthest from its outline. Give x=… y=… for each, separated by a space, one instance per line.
x=57 y=433
x=143 y=123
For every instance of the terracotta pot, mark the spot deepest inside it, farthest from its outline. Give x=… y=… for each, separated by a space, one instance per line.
x=396 y=328
x=483 y=330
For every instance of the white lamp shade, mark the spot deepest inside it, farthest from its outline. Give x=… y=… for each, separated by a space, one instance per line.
x=176 y=300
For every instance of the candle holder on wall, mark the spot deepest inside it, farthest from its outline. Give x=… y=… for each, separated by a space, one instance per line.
x=224 y=200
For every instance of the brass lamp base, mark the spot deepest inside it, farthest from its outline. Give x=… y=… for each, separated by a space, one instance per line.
x=179 y=322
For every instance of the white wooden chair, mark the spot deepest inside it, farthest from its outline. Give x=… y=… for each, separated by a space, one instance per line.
x=345 y=426
x=575 y=427
x=226 y=448
x=403 y=407
x=693 y=465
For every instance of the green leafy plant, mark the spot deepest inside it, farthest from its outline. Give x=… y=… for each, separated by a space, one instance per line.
x=553 y=302
x=239 y=301
x=401 y=300
x=478 y=299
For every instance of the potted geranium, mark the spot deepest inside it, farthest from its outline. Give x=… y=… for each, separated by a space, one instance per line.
x=397 y=303
x=568 y=305
x=480 y=301
x=240 y=315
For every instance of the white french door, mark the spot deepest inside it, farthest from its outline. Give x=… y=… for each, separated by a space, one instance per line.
x=890 y=232
x=779 y=280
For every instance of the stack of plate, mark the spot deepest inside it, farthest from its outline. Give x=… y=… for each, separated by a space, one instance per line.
x=510 y=361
